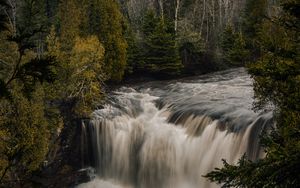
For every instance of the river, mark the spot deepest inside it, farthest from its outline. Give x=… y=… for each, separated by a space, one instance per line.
x=168 y=134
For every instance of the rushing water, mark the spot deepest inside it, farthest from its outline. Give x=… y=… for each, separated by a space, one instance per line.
x=169 y=134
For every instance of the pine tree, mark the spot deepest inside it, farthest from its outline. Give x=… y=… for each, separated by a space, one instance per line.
x=234 y=47
x=254 y=14
x=135 y=63
x=161 y=53
x=3 y=18
x=26 y=132
x=276 y=76
x=150 y=22
x=227 y=42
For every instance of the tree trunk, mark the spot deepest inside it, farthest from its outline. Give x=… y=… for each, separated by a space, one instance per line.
x=203 y=16
x=161 y=6
x=176 y=15
x=4 y=173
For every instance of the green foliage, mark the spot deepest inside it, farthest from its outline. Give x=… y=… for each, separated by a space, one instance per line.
x=234 y=47
x=3 y=18
x=228 y=38
x=33 y=88
x=194 y=40
x=86 y=66
x=26 y=132
x=36 y=70
x=8 y=55
x=107 y=22
x=276 y=76
x=32 y=85
x=135 y=61
x=18 y=62
x=70 y=14
x=255 y=12
x=31 y=16
x=24 y=128
x=161 y=53
x=279 y=170
x=150 y=22
x=292 y=9
x=80 y=70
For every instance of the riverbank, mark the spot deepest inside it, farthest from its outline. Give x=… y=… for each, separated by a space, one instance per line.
x=145 y=77
x=170 y=133
x=65 y=157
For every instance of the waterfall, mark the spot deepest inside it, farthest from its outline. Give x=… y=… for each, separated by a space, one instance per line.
x=168 y=137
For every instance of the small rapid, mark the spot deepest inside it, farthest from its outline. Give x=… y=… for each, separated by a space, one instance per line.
x=169 y=134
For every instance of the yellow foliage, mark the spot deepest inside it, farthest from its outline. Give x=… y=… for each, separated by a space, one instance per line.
x=87 y=55
x=86 y=63
x=71 y=16
x=80 y=58
x=53 y=43
x=80 y=71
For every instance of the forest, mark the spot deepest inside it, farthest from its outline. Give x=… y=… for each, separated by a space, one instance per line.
x=59 y=59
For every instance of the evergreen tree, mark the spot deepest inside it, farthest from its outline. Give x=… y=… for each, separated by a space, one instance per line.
x=161 y=54
x=83 y=87
x=70 y=14
x=26 y=134
x=227 y=42
x=135 y=63
x=107 y=22
x=234 y=47
x=24 y=127
x=150 y=22
x=3 y=18
x=276 y=76
x=254 y=14
x=31 y=15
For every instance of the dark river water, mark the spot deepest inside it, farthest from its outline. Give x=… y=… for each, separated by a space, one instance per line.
x=168 y=134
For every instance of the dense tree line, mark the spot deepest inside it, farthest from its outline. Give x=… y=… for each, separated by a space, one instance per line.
x=158 y=52
x=274 y=46
x=52 y=57
x=198 y=26
x=25 y=126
